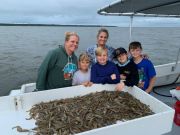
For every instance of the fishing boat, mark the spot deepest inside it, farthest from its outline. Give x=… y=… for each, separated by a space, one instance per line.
x=13 y=107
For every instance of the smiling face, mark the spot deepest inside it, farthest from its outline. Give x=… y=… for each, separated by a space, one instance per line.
x=136 y=53
x=102 y=58
x=102 y=39
x=84 y=65
x=122 y=58
x=71 y=44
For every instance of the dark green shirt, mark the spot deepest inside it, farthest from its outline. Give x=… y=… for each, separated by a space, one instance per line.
x=57 y=70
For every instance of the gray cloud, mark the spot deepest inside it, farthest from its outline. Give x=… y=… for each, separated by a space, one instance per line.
x=51 y=7
x=66 y=12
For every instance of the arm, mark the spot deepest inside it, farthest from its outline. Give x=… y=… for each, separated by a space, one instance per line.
x=74 y=80
x=117 y=76
x=151 y=84
x=152 y=76
x=43 y=72
x=97 y=79
x=87 y=84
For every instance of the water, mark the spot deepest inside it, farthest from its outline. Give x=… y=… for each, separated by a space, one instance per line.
x=22 y=48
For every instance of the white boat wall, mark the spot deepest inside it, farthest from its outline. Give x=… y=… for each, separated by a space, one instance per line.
x=167 y=74
x=14 y=111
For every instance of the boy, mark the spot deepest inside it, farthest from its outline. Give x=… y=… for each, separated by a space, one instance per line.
x=146 y=70
x=82 y=76
x=104 y=71
x=127 y=68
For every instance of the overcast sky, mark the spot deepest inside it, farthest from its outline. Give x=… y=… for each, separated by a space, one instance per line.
x=69 y=12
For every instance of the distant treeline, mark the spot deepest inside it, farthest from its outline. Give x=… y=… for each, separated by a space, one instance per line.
x=11 y=24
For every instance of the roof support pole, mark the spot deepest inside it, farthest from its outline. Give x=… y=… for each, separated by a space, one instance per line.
x=130 y=28
x=177 y=59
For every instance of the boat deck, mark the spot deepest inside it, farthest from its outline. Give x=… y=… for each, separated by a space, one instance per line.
x=170 y=101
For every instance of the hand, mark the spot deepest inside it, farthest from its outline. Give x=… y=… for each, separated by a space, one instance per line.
x=120 y=86
x=113 y=76
x=148 y=90
x=87 y=84
x=123 y=77
x=90 y=84
x=141 y=84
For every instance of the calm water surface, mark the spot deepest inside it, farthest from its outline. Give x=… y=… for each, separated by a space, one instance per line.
x=23 y=48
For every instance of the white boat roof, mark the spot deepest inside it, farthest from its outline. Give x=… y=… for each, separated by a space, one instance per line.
x=150 y=8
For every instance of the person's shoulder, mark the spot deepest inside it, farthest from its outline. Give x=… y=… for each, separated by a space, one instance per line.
x=60 y=51
x=132 y=62
x=111 y=63
x=95 y=65
x=110 y=48
x=56 y=50
x=147 y=60
x=77 y=72
x=91 y=48
x=52 y=52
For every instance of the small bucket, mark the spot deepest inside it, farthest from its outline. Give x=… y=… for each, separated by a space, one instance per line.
x=177 y=113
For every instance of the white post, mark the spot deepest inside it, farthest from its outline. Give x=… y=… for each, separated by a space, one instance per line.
x=130 y=28
x=177 y=59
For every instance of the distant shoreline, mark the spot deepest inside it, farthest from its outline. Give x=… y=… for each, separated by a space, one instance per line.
x=9 y=24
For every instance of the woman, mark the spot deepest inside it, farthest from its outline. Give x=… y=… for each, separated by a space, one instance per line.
x=102 y=38
x=57 y=69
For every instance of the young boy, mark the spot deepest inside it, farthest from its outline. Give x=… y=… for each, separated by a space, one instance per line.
x=82 y=76
x=127 y=68
x=104 y=71
x=146 y=70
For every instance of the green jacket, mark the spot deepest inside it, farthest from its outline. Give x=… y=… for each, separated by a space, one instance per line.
x=57 y=70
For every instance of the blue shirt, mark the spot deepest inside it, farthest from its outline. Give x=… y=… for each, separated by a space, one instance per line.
x=102 y=73
x=146 y=71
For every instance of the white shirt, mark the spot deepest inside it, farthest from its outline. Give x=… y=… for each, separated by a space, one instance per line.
x=81 y=77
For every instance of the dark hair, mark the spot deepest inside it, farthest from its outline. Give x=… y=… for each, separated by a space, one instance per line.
x=103 y=30
x=117 y=52
x=135 y=45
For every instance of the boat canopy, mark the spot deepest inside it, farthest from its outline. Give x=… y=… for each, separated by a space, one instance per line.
x=159 y=8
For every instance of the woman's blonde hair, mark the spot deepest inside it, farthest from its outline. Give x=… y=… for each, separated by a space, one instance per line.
x=84 y=56
x=69 y=34
x=99 y=51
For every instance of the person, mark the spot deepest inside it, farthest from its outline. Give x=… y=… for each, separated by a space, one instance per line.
x=102 y=38
x=146 y=70
x=104 y=71
x=56 y=71
x=126 y=67
x=82 y=76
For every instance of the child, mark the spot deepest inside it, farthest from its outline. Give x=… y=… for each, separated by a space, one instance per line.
x=104 y=71
x=147 y=73
x=82 y=76
x=127 y=68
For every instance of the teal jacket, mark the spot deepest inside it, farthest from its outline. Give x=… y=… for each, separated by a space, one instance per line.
x=57 y=70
